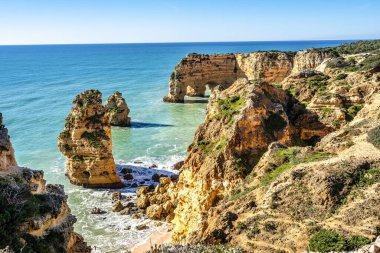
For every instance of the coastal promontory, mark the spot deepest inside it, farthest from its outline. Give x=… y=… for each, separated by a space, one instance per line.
x=34 y=216
x=287 y=158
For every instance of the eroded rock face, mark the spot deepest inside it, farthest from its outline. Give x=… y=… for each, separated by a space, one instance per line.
x=240 y=124
x=258 y=174
x=197 y=71
x=35 y=217
x=7 y=158
x=117 y=110
x=86 y=142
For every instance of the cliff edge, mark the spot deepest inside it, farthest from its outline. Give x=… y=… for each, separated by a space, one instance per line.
x=34 y=216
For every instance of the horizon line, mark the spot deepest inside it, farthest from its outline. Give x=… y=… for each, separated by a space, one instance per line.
x=178 y=42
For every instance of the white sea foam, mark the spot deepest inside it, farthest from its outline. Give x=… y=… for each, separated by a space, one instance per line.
x=113 y=232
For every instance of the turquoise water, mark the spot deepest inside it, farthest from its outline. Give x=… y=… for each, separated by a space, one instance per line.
x=38 y=84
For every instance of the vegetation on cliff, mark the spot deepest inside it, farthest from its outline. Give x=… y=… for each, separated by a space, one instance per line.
x=286 y=165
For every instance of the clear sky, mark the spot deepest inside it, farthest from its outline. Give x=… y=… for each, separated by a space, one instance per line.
x=123 y=21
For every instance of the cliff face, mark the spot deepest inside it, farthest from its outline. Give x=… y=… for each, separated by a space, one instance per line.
x=7 y=158
x=34 y=216
x=240 y=124
x=197 y=71
x=86 y=143
x=117 y=110
x=291 y=166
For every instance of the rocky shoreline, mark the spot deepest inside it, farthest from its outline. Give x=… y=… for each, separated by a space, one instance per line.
x=286 y=160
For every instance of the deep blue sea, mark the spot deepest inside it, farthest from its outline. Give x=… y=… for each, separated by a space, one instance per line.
x=38 y=83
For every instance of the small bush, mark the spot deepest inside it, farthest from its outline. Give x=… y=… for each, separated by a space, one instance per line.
x=353 y=110
x=341 y=76
x=358 y=47
x=356 y=242
x=95 y=138
x=327 y=240
x=372 y=62
x=230 y=106
x=370 y=177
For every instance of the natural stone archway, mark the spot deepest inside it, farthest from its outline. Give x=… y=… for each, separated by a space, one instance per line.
x=194 y=72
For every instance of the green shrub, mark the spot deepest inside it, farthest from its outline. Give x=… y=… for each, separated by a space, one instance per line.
x=230 y=106
x=372 y=62
x=95 y=138
x=374 y=136
x=356 y=242
x=370 y=177
x=341 y=76
x=327 y=240
x=288 y=159
x=358 y=47
x=88 y=97
x=353 y=110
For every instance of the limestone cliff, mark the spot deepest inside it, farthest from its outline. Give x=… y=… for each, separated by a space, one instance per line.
x=197 y=71
x=86 y=142
x=117 y=110
x=240 y=124
x=7 y=158
x=34 y=216
x=284 y=167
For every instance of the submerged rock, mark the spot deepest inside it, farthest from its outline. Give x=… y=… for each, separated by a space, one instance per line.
x=117 y=110
x=86 y=143
x=97 y=210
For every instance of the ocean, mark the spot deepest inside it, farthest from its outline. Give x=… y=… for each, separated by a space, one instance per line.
x=38 y=84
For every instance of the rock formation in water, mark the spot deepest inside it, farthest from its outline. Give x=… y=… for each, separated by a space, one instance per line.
x=117 y=110
x=34 y=216
x=86 y=143
x=283 y=167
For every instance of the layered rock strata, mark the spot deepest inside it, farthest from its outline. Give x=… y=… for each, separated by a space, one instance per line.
x=286 y=167
x=196 y=72
x=117 y=110
x=86 y=142
x=240 y=124
x=34 y=216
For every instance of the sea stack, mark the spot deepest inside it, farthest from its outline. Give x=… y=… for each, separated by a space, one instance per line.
x=86 y=142
x=117 y=110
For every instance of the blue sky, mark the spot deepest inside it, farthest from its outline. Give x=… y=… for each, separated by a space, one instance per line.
x=123 y=21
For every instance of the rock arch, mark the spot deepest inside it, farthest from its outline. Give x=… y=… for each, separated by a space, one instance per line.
x=194 y=72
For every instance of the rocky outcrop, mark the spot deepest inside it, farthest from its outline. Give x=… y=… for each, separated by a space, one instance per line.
x=117 y=110
x=197 y=71
x=240 y=124
x=287 y=167
x=34 y=216
x=7 y=158
x=160 y=203
x=86 y=142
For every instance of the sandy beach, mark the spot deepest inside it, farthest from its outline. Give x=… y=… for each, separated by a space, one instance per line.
x=156 y=238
